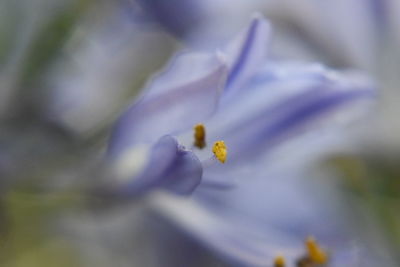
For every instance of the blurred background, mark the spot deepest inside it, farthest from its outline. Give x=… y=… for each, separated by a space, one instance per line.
x=68 y=68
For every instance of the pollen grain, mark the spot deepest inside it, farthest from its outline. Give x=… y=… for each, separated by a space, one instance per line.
x=315 y=252
x=279 y=261
x=220 y=151
x=199 y=135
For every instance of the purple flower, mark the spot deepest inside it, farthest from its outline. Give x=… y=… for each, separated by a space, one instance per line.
x=253 y=206
x=249 y=103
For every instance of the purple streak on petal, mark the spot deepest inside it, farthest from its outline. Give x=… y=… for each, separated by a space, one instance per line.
x=243 y=56
x=170 y=167
x=168 y=110
x=251 y=55
x=313 y=109
x=291 y=116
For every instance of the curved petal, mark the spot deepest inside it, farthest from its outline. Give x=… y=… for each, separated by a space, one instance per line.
x=169 y=166
x=279 y=107
x=184 y=175
x=186 y=94
x=247 y=53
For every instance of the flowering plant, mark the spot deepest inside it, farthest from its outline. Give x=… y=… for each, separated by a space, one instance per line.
x=209 y=122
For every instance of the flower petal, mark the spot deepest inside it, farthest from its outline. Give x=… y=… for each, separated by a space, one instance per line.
x=226 y=237
x=186 y=94
x=169 y=167
x=245 y=241
x=279 y=107
x=248 y=53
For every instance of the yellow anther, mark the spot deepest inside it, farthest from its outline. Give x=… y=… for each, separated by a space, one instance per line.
x=199 y=136
x=315 y=252
x=279 y=261
x=220 y=151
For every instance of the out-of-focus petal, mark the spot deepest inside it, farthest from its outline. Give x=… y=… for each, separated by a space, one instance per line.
x=186 y=94
x=251 y=241
x=169 y=166
x=393 y=13
x=179 y=17
x=343 y=30
x=106 y=59
x=234 y=241
x=353 y=25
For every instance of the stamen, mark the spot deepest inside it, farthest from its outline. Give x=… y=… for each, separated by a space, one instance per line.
x=199 y=135
x=279 y=261
x=315 y=252
x=220 y=151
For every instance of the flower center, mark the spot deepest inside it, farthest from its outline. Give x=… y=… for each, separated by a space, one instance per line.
x=219 y=148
